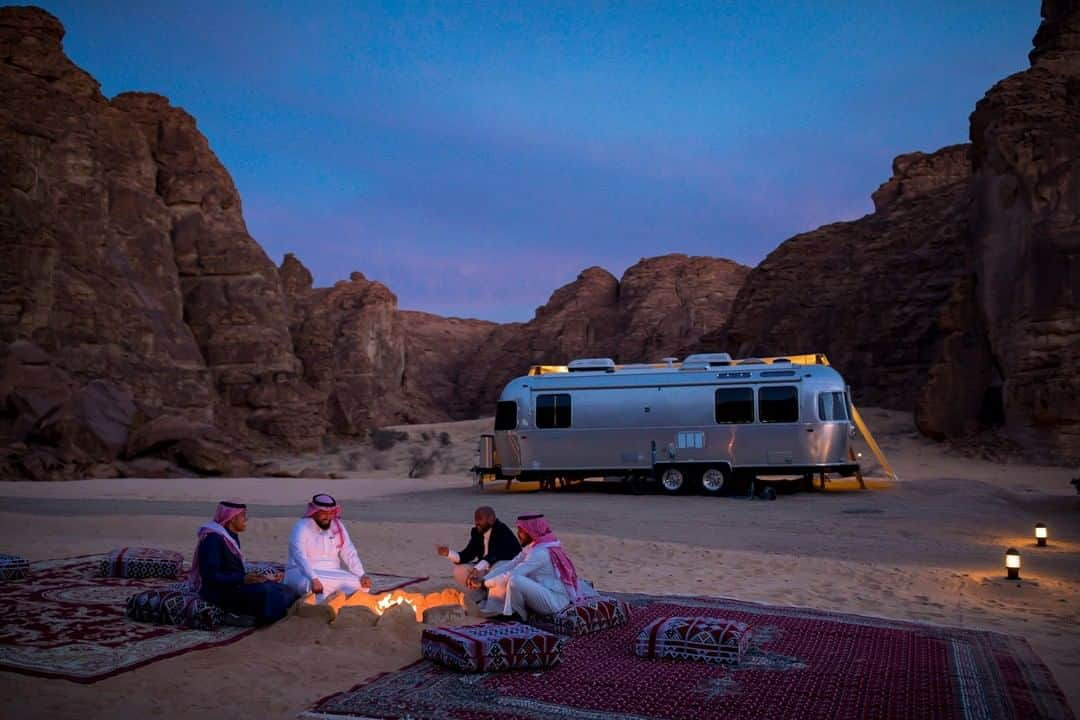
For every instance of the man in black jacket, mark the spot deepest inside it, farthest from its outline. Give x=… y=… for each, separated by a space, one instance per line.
x=490 y=542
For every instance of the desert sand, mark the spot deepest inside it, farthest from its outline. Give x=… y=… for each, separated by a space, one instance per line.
x=927 y=547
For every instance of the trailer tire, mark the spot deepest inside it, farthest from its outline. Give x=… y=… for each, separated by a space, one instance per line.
x=673 y=481
x=715 y=480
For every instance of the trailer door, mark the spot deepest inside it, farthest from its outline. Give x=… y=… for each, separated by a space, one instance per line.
x=778 y=438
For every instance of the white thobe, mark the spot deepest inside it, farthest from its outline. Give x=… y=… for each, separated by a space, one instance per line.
x=527 y=583
x=314 y=553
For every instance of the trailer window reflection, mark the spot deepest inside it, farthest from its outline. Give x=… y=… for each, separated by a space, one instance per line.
x=734 y=405
x=832 y=406
x=778 y=404
x=553 y=411
x=506 y=415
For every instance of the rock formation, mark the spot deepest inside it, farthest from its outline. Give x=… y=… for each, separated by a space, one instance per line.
x=957 y=297
x=129 y=282
x=143 y=331
x=437 y=352
x=350 y=340
x=1025 y=137
x=661 y=305
x=867 y=293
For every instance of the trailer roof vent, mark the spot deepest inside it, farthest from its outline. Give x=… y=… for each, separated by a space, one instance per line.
x=709 y=359
x=751 y=361
x=592 y=365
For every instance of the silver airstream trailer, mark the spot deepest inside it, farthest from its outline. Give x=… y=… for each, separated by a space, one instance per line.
x=691 y=425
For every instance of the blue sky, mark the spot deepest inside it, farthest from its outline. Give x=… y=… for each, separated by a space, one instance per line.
x=474 y=157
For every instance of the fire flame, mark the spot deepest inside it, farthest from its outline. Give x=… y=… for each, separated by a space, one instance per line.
x=417 y=602
x=389 y=600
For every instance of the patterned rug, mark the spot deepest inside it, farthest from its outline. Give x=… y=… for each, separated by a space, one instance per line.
x=63 y=621
x=802 y=664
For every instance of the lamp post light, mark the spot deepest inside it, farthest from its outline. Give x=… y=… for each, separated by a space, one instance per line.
x=1040 y=534
x=1012 y=563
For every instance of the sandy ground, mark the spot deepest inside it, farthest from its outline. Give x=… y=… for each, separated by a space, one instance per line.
x=927 y=547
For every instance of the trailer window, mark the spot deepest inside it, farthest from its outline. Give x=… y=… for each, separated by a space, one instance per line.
x=734 y=405
x=832 y=406
x=506 y=415
x=778 y=404
x=553 y=411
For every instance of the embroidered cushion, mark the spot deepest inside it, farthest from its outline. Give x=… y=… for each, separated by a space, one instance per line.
x=491 y=647
x=13 y=567
x=694 y=638
x=586 y=616
x=174 y=607
x=138 y=562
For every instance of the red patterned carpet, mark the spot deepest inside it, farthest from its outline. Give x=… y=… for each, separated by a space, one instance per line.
x=803 y=664
x=65 y=622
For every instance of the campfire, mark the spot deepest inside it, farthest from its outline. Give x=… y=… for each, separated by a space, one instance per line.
x=379 y=604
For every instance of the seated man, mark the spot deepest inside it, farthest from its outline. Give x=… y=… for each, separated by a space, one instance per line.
x=491 y=545
x=541 y=579
x=217 y=571
x=322 y=557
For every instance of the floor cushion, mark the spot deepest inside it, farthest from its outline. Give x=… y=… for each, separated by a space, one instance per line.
x=139 y=562
x=174 y=607
x=586 y=616
x=491 y=647
x=706 y=639
x=13 y=567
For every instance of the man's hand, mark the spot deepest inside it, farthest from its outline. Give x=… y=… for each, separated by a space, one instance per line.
x=254 y=579
x=276 y=577
x=316 y=586
x=442 y=550
x=474 y=582
x=365 y=582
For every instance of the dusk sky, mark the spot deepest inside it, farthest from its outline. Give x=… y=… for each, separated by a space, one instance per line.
x=476 y=157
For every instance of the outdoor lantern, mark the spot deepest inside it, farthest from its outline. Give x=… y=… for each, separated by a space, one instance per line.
x=1012 y=563
x=1040 y=534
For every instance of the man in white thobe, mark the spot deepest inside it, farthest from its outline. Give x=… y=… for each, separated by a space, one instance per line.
x=541 y=579
x=322 y=557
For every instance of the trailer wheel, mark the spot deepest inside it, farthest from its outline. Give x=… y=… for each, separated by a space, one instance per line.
x=714 y=480
x=672 y=481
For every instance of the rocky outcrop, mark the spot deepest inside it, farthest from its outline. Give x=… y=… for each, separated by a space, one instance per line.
x=659 y=306
x=437 y=352
x=957 y=297
x=669 y=301
x=143 y=330
x=124 y=260
x=352 y=345
x=916 y=174
x=867 y=293
x=1025 y=136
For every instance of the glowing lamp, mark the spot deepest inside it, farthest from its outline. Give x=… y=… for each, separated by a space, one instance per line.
x=1040 y=534
x=1012 y=563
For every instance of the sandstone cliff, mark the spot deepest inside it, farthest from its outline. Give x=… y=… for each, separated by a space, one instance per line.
x=1025 y=136
x=126 y=271
x=660 y=305
x=957 y=298
x=144 y=331
x=868 y=292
